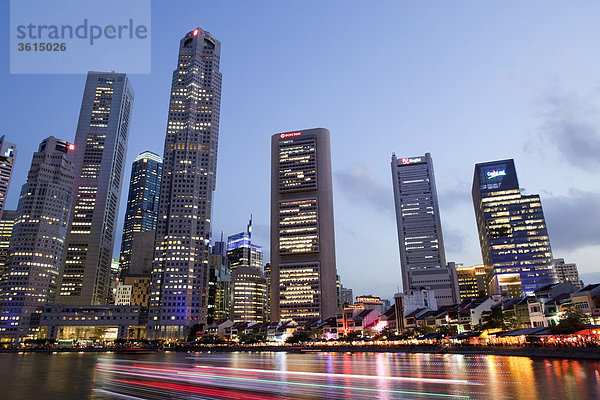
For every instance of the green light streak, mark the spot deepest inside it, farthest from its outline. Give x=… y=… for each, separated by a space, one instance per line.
x=327 y=386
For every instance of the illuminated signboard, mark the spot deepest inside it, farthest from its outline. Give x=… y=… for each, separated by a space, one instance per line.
x=195 y=33
x=406 y=161
x=497 y=176
x=496 y=173
x=291 y=134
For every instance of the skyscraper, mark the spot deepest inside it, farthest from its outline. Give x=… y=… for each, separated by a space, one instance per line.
x=37 y=243
x=142 y=202
x=303 y=270
x=6 y=227
x=567 y=272
x=422 y=258
x=101 y=145
x=249 y=295
x=219 y=284
x=8 y=153
x=512 y=231
x=248 y=282
x=242 y=252
x=180 y=276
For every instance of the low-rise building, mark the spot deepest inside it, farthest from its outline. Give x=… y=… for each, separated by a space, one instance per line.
x=98 y=323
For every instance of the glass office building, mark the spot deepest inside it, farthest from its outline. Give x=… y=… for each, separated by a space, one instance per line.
x=512 y=231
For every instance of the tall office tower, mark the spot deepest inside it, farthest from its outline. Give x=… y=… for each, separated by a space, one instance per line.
x=249 y=295
x=141 y=253
x=346 y=297
x=142 y=202
x=241 y=251
x=7 y=221
x=422 y=257
x=37 y=243
x=219 y=285
x=303 y=269
x=180 y=270
x=101 y=144
x=248 y=283
x=471 y=281
x=8 y=153
x=512 y=231
x=567 y=272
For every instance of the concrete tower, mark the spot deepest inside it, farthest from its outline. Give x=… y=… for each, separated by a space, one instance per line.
x=37 y=244
x=100 y=149
x=303 y=270
x=180 y=274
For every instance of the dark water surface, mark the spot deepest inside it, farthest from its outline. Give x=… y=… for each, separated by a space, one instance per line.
x=270 y=376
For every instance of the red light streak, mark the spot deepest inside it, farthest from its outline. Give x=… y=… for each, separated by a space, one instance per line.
x=226 y=394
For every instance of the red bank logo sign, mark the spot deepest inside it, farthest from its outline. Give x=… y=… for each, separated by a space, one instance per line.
x=291 y=134
x=406 y=161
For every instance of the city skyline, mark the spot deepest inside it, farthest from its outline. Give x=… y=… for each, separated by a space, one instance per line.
x=362 y=217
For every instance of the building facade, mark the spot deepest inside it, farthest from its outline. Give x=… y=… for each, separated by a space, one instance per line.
x=422 y=257
x=512 y=231
x=249 y=295
x=180 y=272
x=472 y=281
x=101 y=146
x=8 y=153
x=37 y=244
x=7 y=221
x=219 y=284
x=567 y=272
x=303 y=268
x=142 y=202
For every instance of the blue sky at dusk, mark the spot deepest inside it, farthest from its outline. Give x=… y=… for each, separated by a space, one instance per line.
x=466 y=81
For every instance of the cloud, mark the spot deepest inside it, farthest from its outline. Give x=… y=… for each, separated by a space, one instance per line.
x=573 y=220
x=456 y=197
x=571 y=125
x=359 y=184
x=455 y=241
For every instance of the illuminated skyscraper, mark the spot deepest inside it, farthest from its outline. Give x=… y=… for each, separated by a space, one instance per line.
x=219 y=294
x=142 y=202
x=422 y=258
x=303 y=270
x=472 y=281
x=37 y=243
x=512 y=231
x=241 y=251
x=248 y=283
x=249 y=295
x=180 y=273
x=8 y=153
x=6 y=227
x=101 y=145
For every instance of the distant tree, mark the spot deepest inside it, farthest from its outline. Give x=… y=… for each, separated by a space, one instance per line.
x=351 y=336
x=495 y=320
x=447 y=330
x=298 y=336
x=120 y=341
x=253 y=337
x=424 y=330
x=194 y=331
x=210 y=339
x=572 y=320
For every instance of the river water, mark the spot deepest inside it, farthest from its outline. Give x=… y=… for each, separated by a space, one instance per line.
x=270 y=376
